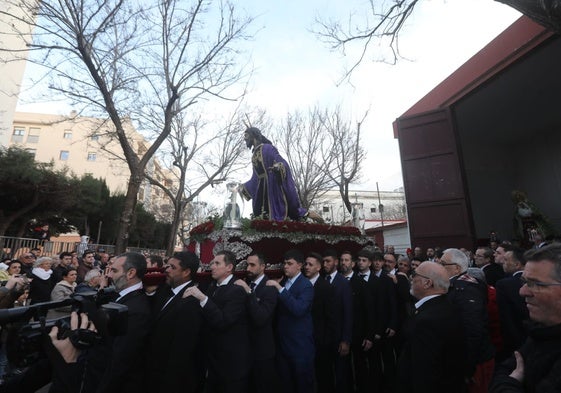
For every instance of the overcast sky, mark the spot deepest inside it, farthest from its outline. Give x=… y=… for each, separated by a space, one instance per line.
x=293 y=70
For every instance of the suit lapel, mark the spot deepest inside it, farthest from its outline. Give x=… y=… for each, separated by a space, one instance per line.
x=175 y=300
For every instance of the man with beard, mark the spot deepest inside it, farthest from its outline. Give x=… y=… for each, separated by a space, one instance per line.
x=125 y=369
x=174 y=349
x=261 y=306
x=271 y=187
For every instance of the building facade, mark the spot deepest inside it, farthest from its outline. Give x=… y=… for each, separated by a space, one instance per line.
x=376 y=206
x=86 y=145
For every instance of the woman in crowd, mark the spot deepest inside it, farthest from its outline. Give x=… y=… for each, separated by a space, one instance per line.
x=62 y=291
x=42 y=282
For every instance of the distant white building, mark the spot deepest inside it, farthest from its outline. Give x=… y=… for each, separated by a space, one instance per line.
x=377 y=207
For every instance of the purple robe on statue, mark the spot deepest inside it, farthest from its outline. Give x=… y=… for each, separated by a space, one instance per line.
x=272 y=187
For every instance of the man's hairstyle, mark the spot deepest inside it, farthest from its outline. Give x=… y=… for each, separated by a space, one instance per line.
x=67 y=270
x=188 y=260
x=377 y=256
x=87 y=252
x=330 y=252
x=92 y=274
x=255 y=133
x=294 y=254
x=507 y=247
x=64 y=254
x=158 y=260
x=518 y=254
x=366 y=254
x=551 y=252
x=458 y=257
x=487 y=252
x=402 y=258
x=441 y=283
x=229 y=257
x=316 y=256
x=347 y=252
x=134 y=260
x=260 y=257
x=38 y=262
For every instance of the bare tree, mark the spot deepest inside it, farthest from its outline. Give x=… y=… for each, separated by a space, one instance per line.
x=346 y=155
x=124 y=60
x=303 y=139
x=384 y=20
x=202 y=153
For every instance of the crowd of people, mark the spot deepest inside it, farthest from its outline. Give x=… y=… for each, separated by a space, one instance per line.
x=431 y=320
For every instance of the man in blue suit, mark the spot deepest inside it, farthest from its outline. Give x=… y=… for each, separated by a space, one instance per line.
x=295 y=355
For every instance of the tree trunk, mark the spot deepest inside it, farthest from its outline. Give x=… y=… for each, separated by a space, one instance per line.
x=177 y=214
x=125 y=221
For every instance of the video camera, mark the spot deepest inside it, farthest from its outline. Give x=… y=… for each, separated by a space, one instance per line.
x=27 y=326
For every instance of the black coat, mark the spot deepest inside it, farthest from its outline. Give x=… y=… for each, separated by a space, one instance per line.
x=227 y=332
x=125 y=372
x=323 y=316
x=493 y=273
x=433 y=350
x=174 y=358
x=261 y=306
x=385 y=297
x=40 y=290
x=542 y=364
x=512 y=312
x=364 y=313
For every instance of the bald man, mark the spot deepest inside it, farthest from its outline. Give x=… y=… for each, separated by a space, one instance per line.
x=432 y=356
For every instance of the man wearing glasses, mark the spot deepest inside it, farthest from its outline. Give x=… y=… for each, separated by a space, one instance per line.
x=27 y=259
x=433 y=349
x=536 y=366
x=469 y=297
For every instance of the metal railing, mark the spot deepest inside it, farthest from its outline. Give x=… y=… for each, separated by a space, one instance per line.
x=13 y=247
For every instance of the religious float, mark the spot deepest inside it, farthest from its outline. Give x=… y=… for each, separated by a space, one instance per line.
x=272 y=239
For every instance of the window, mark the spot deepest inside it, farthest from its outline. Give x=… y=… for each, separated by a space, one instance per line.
x=33 y=136
x=67 y=134
x=64 y=154
x=32 y=152
x=19 y=133
x=92 y=156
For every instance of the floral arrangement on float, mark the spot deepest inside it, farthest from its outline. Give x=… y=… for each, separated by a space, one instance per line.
x=272 y=238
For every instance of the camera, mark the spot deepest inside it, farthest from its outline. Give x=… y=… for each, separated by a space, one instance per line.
x=27 y=326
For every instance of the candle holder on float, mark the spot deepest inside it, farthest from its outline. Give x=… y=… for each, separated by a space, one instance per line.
x=358 y=216
x=232 y=213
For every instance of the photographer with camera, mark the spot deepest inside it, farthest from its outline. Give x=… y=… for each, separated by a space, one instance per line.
x=111 y=360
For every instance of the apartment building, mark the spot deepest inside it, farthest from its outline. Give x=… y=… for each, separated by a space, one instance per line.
x=87 y=145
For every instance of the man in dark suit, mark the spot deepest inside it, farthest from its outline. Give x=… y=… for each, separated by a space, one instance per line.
x=344 y=317
x=363 y=323
x=325 y=323
x=295 y=355
x=174 y=360
x=125 y=365
x=387 y=314
x=512 y=307
x=432 y=353
x=261 y=305
x=484 y=260
x=226 y=328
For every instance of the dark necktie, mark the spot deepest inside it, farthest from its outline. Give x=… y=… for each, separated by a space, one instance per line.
x=328 y=278
x=252 y=286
